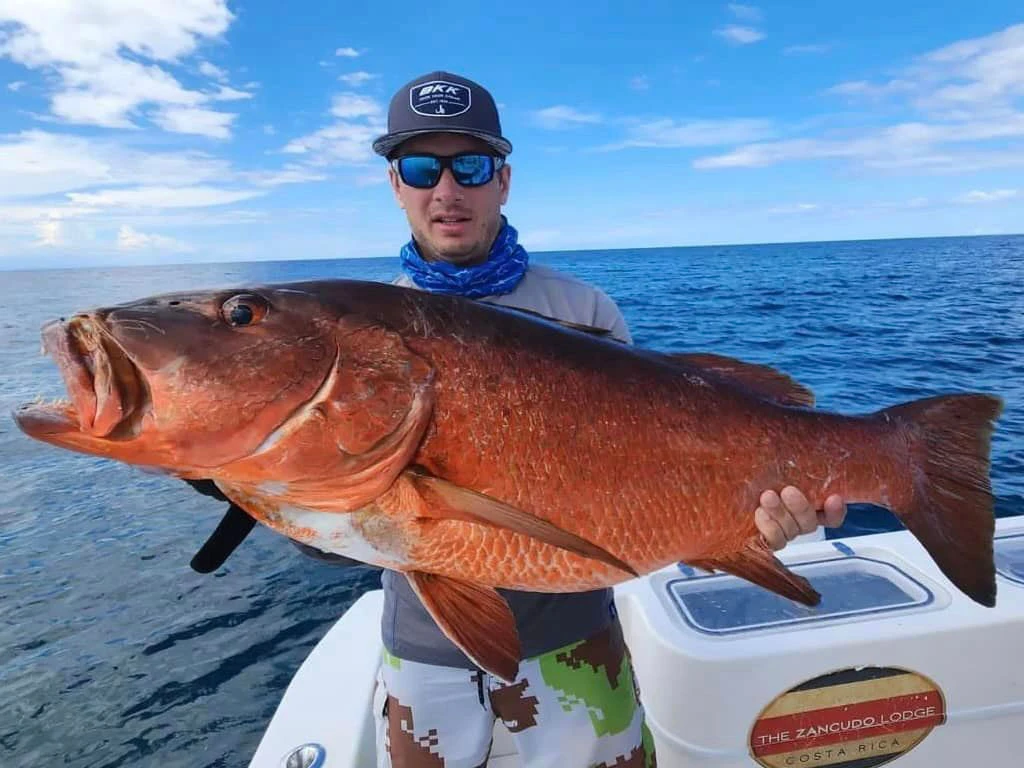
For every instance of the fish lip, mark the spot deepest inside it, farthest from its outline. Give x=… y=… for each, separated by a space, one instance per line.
x=107 y=392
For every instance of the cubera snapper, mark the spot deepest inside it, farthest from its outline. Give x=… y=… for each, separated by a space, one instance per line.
x=475 y=447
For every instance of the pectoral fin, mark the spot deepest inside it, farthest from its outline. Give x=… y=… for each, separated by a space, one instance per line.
x=474 y=617
x=756 y=563
x=462 y=503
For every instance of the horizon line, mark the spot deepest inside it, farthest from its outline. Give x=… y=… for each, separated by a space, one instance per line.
x=114 y=265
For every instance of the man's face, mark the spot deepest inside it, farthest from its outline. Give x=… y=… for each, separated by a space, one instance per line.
x=450 y=222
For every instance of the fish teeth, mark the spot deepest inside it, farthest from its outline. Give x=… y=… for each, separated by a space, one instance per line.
x=51 y=402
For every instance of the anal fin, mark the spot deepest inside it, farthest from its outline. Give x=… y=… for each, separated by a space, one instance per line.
x=474 y=617
x=756 y=563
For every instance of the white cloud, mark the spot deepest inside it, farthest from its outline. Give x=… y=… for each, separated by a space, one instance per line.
x=354 y=105
x=162 y=197
x=104 y=59
x=36 y=163
x=269 y=130
x=49 y=233
x=110 y=90
x=226 y=93
x=911 y=145
x=994 y=196
x=371 y=179
x=343 y=142
x=968 y=98
x=211 y=70
x=291 y=174
x=796 y=50
x=52 y=177
x=16 y=86
x=31 y=214
x=868 y=207
x=982 y=73
x=355 y=79
x=794 y=208
x=763 y=154
x=359 y=120
x=63 y=196
x=130 y=239
x=693 y=133
x=560 y=117
x=745 y=12
x=196 y=120
x=640 y=83
x=349 y=53
x=740 y=35
x=85 y=33
x=864 y=88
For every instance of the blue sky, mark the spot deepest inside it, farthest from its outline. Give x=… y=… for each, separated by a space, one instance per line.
x=135 y=132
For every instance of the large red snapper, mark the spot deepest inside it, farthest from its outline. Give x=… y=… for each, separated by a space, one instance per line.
x=474 y=447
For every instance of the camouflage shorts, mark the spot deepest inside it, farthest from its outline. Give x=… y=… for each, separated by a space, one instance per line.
x=574 y=707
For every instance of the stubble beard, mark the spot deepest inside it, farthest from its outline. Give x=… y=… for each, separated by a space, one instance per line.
x=464 y=256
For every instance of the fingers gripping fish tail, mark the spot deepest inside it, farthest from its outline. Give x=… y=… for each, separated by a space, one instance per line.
x=951 y=508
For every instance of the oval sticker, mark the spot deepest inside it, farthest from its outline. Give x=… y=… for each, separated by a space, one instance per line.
x=870 y=715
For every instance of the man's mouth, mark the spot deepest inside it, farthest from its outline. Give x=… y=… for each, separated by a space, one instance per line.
x=451 y=220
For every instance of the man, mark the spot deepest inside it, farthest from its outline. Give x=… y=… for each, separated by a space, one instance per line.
x=449 y=172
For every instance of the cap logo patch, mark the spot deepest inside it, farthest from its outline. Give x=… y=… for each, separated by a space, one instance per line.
x=439 y=98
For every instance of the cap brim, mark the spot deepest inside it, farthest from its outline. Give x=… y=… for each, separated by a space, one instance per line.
x=386 y=144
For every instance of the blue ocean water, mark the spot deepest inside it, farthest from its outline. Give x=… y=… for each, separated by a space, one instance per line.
x=113 y=652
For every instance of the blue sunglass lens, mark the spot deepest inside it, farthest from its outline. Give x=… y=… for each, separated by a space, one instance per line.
x=424 y=171
x=419 y=171
x=473 y=170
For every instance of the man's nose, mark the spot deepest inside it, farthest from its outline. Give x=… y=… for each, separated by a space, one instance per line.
x=447 y=187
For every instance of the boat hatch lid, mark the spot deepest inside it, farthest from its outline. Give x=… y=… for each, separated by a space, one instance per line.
x=722 y=604
x=1009 y=552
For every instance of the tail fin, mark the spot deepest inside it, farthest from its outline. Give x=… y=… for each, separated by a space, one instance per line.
x=951 y=511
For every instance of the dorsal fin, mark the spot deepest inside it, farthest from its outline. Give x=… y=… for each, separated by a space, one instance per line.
x=591 y=329
x=763 y=380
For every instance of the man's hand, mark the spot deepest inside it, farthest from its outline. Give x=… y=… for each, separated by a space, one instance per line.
x=783 y=517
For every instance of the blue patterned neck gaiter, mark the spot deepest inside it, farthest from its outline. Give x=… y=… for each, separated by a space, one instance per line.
x=500 y=274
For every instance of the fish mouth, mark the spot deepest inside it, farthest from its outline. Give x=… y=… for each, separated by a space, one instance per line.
x=107 y=394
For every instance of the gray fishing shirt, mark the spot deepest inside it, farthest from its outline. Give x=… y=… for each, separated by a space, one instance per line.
x=545 y=621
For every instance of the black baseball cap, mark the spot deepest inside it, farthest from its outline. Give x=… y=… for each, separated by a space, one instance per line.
x=442 y=102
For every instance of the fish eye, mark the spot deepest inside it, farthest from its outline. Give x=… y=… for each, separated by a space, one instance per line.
x=243 y=310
